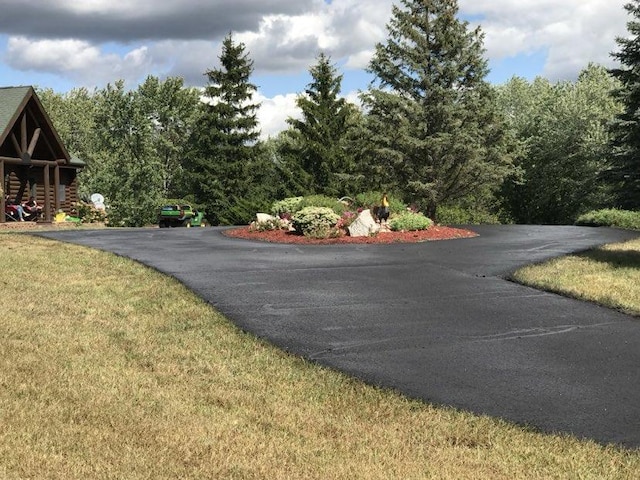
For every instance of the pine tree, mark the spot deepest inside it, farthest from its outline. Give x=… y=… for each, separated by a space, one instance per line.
x=317 y=140
x=436 y=135
x=624 y=173
x=224 y=157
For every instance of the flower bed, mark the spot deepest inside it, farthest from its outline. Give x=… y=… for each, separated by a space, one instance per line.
x=283 y=236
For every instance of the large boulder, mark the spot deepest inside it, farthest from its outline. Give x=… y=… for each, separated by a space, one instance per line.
x=264 y=217
x=364 y=225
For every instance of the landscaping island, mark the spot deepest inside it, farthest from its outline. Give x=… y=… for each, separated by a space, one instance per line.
x=284 y=236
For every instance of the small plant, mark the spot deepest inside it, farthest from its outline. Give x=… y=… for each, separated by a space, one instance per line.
x=346 y=219
x=268 y=225
x=409 y=221
x=316 y=222
x=611 y=218
x=286 y=207
x=87 y=213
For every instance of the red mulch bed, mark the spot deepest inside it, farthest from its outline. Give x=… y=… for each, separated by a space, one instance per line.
x=282 y=236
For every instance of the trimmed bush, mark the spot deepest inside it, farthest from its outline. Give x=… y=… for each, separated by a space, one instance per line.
x=611 y=218
x=88 y=213
x=323 y=201
x=410 y=221
x=316 y=222
x=288 y=206
x=268 y=225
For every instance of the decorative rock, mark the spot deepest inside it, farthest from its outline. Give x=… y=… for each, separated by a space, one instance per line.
x=264 y=217
x=364 y=225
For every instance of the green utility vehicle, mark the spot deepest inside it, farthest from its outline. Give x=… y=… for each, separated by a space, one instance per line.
x=180 y=216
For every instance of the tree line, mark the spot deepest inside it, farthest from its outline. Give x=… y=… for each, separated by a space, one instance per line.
x=430 y=130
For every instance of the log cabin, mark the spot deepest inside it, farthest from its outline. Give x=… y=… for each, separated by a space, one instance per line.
x=33 y=160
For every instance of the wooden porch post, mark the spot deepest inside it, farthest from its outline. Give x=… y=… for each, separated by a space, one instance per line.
x=47 y=194
x=56 y=187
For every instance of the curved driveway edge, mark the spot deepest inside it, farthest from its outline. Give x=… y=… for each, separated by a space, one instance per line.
x=435 y=320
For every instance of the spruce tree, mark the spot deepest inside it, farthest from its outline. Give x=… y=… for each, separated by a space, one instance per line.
x=436 y=135
x=224 y=159
x=624 y=173
x=316 y=140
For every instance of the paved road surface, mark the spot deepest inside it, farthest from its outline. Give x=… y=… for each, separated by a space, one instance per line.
x=434 y=320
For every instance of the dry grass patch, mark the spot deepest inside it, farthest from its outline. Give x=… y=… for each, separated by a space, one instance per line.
x=111 y=370
x=608 y=275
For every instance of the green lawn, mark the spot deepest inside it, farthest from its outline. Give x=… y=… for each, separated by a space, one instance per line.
x=111 y=370
x=609 y=275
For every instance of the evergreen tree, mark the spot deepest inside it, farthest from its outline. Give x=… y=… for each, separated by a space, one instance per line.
x=224 y=161
x=317 y=140
x=436 y=136
x=624 y=173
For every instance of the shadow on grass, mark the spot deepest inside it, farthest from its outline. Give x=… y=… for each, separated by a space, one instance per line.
x=615 y=258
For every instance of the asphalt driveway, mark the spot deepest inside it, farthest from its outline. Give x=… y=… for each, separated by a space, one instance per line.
x=436 y=320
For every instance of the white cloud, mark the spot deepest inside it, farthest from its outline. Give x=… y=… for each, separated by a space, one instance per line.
x=140 y=20
x=344 y=29
x=182 y=37
x=274 y=112
x=573 y=32
x=77 y=59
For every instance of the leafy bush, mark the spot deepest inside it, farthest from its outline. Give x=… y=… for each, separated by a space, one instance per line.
x=323 y=201
x=346 y=219
x=87 y=213
x=288 y=206
x=316 y=222
x=268 y=225
x=456 y=215
x=611 y=218
x=369 y=200
x=409 y=221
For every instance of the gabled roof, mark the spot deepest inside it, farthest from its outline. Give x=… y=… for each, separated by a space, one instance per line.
x=14 y=101
x=11 y=105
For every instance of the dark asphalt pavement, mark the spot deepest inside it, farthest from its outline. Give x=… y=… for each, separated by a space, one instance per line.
x=436 y=320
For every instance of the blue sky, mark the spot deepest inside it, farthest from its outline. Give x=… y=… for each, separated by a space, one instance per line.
x=62 y=44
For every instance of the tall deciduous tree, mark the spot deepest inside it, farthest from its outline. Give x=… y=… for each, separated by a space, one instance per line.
x=318 y=138
x=170 y=109
x=436 y=134
x=125 y=167
x=625 y=168
x=224 y=157
x=562 y=129
x=73 y=115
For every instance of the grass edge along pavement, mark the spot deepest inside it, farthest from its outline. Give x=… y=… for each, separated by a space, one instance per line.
x=112 y=370
x=608 y=275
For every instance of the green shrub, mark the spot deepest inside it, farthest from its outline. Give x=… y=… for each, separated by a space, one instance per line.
x=316 y=222
x=611 y=218
x=409 y=221
x=456 y=215
x=323 y=201
x=369 y=200
x=268 y=225
x=87 y=213
x=288 y=206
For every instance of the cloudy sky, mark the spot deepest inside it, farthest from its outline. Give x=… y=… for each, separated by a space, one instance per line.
x=62 y=44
